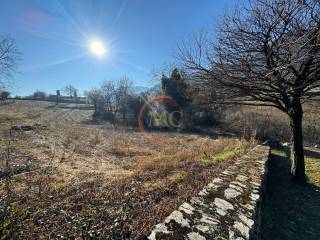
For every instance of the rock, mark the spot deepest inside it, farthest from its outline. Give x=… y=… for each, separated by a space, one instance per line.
x=243 y=229
x=239 y=189
x=203 y=228
x=195 y=236
x=209 y=220
x=231 y=193
x=203 y=192
x=249 y=206
x=249 y=222
x=187 y=208
x=212 y=186
x=223 y=204
x=228 y=172
x=221 y=212
x=217 y=180
x=239 y=184
x=178 y=218
x=231 y=235
x=160 y=228
x=198 y=201
x=242 y=178
x=254 y=197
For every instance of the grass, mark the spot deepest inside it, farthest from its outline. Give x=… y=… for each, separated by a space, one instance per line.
x=267 y=123
x=105 y=179
x=313 y=170
x=220 y=156
x=178 y=177
x=291 y=211
x=281 y=152
x=312 y=164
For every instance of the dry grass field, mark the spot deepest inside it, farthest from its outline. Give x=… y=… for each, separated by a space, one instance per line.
x=74 y=179
x=270 y=123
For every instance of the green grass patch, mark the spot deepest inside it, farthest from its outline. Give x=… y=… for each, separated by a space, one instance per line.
x=313 y=170
x=225 y=154
x=312 y=164
x=285 y=152
x=178 y=177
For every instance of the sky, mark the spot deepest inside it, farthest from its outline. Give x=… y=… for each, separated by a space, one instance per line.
x=139 y=36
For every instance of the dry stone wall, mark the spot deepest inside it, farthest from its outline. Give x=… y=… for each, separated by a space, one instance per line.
x=227 y=208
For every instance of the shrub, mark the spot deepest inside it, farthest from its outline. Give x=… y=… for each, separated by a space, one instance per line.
x=4 y=95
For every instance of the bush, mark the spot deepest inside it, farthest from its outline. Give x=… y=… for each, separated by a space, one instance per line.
x=4 y=95
x=39 y=95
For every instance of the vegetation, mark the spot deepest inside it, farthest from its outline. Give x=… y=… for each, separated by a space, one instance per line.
x=39 y=95
x=312 y=157
x=267 y=56
x=79 y=179
x=291 y=210
x=266 y=123
x=4 y=95
x=114 y=101
x=70 y=91
x=9 y=59
x=78 y=167
x=225 y=154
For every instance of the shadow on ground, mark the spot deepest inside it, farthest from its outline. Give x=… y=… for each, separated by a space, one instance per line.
x=291 y=210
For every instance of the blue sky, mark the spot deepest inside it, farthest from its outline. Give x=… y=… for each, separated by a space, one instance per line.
x=140 y=35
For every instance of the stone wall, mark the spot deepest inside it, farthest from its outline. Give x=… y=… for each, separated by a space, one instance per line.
x=227 y=208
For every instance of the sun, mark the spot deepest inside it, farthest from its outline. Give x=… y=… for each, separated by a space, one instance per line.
x=97 y=48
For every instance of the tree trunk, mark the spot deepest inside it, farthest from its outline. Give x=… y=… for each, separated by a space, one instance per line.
x=297 y=152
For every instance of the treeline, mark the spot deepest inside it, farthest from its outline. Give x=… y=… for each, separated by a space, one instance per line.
x=68 y=94
x=176 y=103
x=114 y=101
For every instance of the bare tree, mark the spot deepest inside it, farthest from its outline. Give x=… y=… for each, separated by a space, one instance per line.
x=94 y=96
x=108 y=92
x=122 y=90
x=115 y=95
x=111 y=98
x=266 y=55
x=9 y=58
x=70 y=90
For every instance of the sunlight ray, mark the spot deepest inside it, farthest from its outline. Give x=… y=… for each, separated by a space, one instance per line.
x=142 y=69
x=58 y=39
x=57 y=62
x=121 y=9
x=72 y=20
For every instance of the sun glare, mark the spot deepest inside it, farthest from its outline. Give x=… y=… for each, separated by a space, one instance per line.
x=97 y=48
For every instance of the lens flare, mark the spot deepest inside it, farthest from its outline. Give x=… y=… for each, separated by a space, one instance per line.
x=97 y=48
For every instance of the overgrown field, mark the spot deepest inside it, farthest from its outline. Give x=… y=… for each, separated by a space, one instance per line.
x=71 y=178
x=270 y=123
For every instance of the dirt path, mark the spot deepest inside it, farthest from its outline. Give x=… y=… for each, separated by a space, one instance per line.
x=291 y=210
